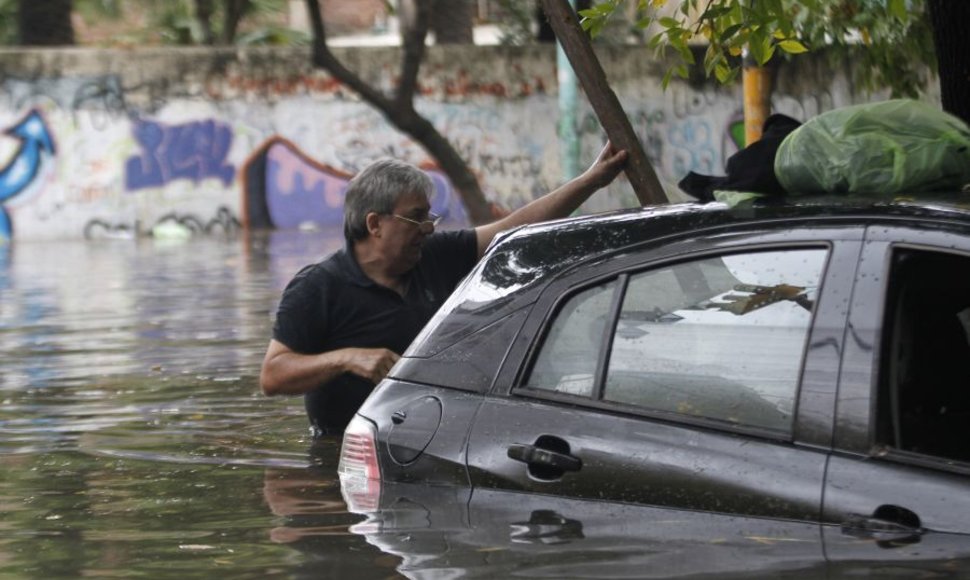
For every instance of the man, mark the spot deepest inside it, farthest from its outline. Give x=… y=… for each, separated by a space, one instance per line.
x=343 y=323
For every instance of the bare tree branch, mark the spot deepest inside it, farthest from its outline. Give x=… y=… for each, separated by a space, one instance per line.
x=415 y=34
x=400 y=110
x=324 y=58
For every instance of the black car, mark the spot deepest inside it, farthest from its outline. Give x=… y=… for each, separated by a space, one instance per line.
x=785 y=362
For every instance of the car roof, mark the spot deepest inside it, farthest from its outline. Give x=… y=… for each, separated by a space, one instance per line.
x=537 y=252
x=954 y=205
x=626 y=227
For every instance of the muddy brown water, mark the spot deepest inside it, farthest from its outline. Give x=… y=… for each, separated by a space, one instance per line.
x=133 y=440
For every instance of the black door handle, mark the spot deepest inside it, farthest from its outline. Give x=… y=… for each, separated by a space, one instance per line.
x=892 y=524
x=537 y=456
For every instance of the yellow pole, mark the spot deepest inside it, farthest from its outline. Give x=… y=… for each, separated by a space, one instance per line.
x=757 y=101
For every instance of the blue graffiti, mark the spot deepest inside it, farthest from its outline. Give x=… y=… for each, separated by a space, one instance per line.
x=285 y=188
x=190 y=151
x=23 y=168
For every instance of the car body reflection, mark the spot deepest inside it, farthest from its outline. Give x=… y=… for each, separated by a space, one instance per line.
x=461 y=532
x=446 y=531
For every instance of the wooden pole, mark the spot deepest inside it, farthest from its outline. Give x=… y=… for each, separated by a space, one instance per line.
x=579 y=51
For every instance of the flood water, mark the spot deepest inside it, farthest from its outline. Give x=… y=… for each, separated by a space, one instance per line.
x=133 y=439
x=134 y=443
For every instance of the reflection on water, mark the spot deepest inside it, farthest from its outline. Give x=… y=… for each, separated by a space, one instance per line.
x=133 y=440
x=500 y=534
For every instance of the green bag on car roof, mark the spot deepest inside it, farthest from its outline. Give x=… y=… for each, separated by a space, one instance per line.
x=885 y=148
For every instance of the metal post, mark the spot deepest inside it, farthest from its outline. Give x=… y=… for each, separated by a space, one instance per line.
x=568 y=130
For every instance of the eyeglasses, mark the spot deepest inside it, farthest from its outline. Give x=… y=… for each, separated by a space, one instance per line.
x=430 y=222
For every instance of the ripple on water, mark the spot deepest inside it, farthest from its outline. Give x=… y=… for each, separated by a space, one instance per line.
x=133 y=438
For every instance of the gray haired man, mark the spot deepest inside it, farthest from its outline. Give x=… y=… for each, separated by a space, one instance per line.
x=343 y=322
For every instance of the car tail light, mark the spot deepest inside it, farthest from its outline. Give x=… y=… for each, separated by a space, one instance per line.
x=358 y=468
x=358 y=452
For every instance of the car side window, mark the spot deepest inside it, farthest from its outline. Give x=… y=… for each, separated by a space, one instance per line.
x=724 y=342
x=924 y=402
x=720 y=338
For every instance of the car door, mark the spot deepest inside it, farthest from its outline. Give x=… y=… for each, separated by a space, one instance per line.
x=898 y=486
x=698 y=375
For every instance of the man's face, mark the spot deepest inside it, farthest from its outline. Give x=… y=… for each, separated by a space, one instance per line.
x=402 y=239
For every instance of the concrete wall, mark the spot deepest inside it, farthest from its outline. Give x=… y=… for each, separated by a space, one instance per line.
x=117 y=143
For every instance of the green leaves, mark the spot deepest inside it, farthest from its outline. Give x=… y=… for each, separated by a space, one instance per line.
x=894 y=33
x=792 y=46
x=594 y=19
x=898 y=9
x=761 y=46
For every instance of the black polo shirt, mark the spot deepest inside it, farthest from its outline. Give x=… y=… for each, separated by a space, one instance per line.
x=333 y=304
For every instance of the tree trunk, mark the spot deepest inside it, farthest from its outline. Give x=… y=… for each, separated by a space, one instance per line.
x=949 y=20
x=399 y=110
x=234 y=12
x=45 y=23
x=451 y=22
x=203 y=15
x=575 y=43
x=544 y=32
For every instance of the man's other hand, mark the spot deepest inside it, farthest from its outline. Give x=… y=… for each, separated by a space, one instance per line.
x=371 y=363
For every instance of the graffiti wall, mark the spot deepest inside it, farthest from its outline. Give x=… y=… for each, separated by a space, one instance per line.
x=123 y=144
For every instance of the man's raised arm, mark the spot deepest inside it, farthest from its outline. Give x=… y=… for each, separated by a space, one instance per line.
x=560 y=202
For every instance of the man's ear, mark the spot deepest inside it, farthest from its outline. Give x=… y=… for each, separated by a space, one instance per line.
x=373 y=222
